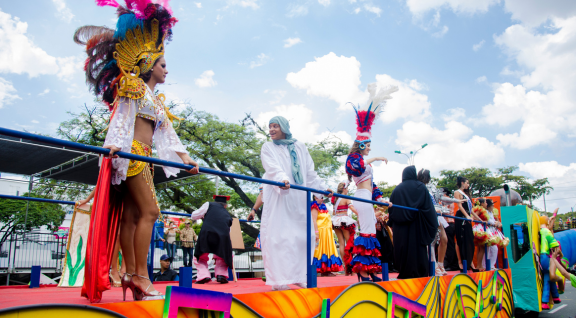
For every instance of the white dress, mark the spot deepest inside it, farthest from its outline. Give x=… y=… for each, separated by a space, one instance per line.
x=283 y=227
x=493 y=249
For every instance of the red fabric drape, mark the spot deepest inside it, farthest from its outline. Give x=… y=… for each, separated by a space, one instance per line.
x=102 y=235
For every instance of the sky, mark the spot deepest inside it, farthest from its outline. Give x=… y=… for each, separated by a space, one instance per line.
x=485 y=83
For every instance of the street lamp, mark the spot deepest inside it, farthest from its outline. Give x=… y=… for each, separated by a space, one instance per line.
x=411 y=154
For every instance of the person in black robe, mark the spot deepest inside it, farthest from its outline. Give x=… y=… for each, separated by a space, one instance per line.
x=214 y=239
x=413 y=231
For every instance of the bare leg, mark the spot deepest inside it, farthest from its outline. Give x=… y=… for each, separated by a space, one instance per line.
x=145 y=202
x=458 y=254
x=442 y=246
x=341 y=242
x=114 y=268
x=129 y=220
x=479 y=257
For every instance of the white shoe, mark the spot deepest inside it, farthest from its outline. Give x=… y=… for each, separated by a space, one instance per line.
x=302 y=285
x=280 y=287
x=443 y=270
x=439 y=271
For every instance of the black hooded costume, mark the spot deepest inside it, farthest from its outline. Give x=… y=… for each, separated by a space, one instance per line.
x=413 y=231
x=215 y=233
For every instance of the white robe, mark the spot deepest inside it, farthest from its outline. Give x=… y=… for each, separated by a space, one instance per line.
x=283 y=227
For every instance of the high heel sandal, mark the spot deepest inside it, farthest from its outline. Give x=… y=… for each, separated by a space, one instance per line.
x=114 y=282
x=375 y=278
x=144 y=294
x=364 y=279
x=126 y=282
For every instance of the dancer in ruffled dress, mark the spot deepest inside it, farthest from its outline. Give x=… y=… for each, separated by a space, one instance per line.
x=344 y=225
x=366 y=252
x=326 y=258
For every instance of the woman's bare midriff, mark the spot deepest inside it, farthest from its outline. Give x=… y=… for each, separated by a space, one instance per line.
x=144 y=130
x=366 y=185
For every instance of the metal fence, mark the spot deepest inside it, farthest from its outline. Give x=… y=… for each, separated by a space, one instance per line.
x=21 y=251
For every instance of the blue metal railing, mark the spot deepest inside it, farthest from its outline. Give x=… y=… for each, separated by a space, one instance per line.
x=311 y=272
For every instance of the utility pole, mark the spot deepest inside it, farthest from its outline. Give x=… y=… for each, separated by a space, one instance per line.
x=545 y=202
x=411 y=154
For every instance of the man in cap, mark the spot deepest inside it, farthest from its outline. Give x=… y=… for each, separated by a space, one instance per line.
x=214 y=238
x=166 y=274
x=188 y=237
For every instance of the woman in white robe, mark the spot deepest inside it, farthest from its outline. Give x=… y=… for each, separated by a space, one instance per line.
x=283 y=227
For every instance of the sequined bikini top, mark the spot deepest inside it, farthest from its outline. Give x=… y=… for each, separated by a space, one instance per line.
x=152 y=108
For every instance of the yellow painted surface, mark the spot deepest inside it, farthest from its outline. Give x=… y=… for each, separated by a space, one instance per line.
x=56 y=313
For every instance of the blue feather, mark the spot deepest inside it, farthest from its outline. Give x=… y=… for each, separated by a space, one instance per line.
x=367 y=114
x=126 y=22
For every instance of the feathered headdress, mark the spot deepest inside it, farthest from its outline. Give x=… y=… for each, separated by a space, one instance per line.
x=116 y=58
x=366 y=116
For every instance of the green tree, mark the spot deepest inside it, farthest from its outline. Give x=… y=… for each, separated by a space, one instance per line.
x=13 y=216
x=529 y=191
x=386 y=188
x=482 y=180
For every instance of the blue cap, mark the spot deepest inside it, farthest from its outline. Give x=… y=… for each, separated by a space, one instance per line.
x=165 y=257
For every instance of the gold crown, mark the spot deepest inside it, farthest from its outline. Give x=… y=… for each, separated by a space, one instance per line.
x=137 y=54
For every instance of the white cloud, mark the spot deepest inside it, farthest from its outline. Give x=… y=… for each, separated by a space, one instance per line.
x=332 y=76
x=198 y=5
x=372 y=8
x=68 y=66
x=218 y=18
x=536 y=12
x=441 y=33
x=7 y=92
x=206 y=79
x=64 y=12
x=562 y=179
x=478 y=46
x=297 y=10
x=419 y=7
x=262 y=59
x=278 y=95
x=482 y=79
x=302 y=125
x=243 y=3
x=453 y=114
x=18 y=54
x=289 y=42
x=406 y=103
x=545 y=102
x=34 y=121
x=46 y=91
x=391 y=172
x=324 y=2
x=472 y=150
x=357 y=10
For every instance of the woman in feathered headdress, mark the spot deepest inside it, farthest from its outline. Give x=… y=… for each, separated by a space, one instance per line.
x=366 y=246
x=123 y=67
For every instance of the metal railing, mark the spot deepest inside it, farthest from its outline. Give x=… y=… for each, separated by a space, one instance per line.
x=311 y=270
x=21 y=251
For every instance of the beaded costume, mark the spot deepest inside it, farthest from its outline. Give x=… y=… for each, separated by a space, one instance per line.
x=117 y=60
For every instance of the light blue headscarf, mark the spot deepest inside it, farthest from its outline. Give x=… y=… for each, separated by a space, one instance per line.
x=289 y=141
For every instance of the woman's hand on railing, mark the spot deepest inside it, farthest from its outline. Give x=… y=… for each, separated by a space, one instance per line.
x=251 y=215
x=113 y=149
x=331 y=193
x=188 y=161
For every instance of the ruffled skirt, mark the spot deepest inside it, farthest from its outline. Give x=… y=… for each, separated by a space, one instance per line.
x=366 y=254
x=325 y=256
x=343 y=222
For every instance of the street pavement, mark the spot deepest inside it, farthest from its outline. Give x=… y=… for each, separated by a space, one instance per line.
x=566 y=309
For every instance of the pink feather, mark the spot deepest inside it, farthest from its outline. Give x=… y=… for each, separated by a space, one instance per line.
x=104 y=3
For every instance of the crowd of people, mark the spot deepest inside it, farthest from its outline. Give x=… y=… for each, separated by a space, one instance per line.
x=123 y=67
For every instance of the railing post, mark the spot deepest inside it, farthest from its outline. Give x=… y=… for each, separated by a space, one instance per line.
x=151 y=254
x=385 y=272
x=431 y=265
x=311 y=271
x=486 y=260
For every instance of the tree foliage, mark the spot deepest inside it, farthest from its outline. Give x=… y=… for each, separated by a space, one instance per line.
x=13 y=216
x=483 y=181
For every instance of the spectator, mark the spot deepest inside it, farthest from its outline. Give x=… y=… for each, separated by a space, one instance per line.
x=188 y=237
x=452 y=258
x=170 y=233
x=166 y=274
